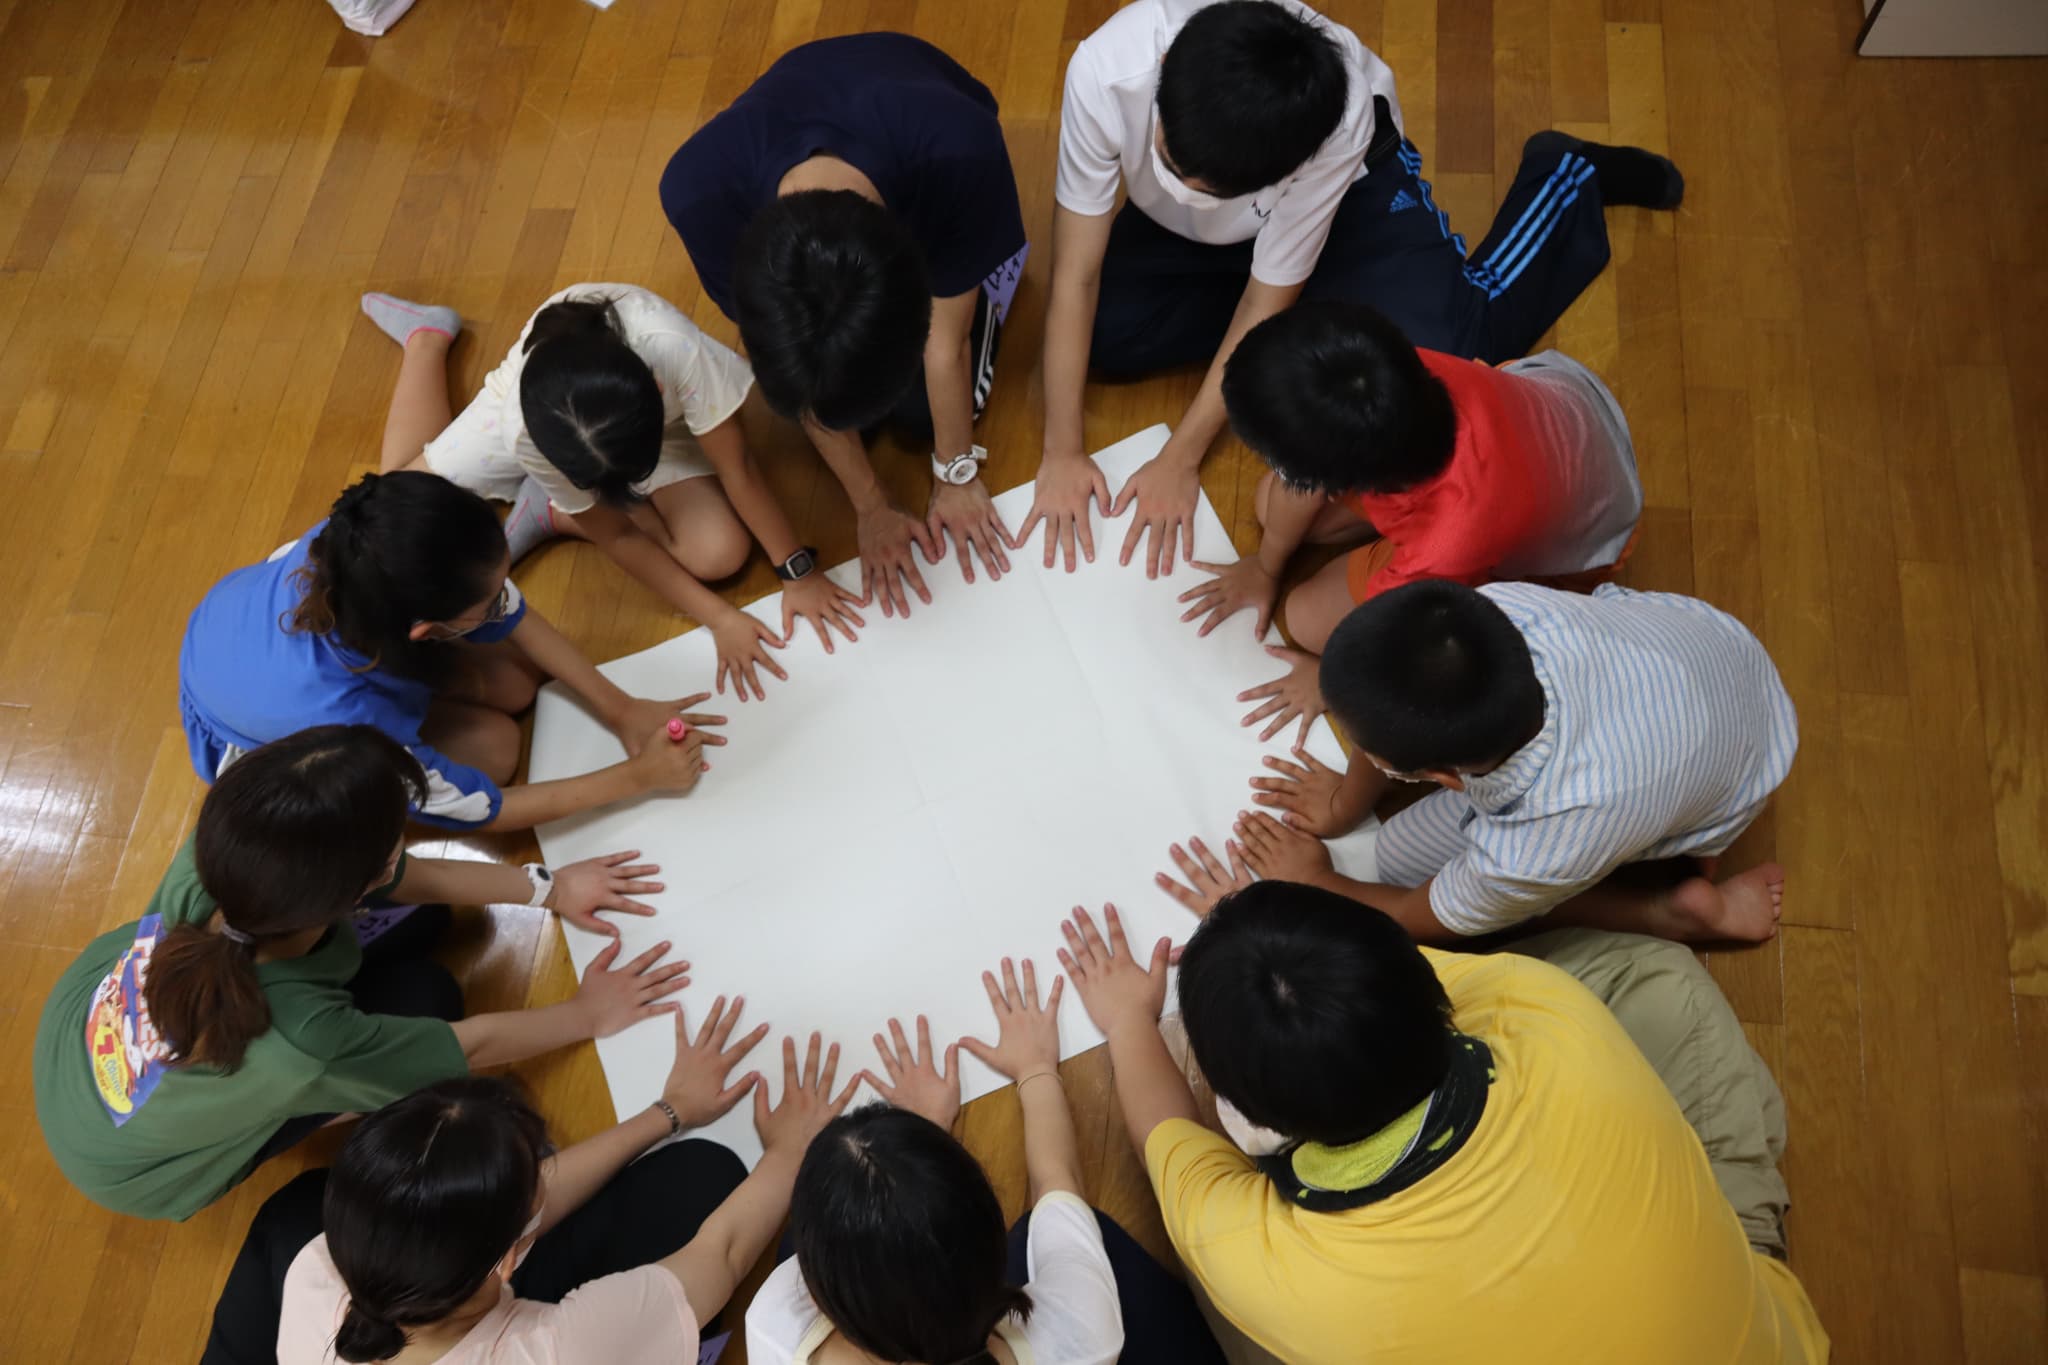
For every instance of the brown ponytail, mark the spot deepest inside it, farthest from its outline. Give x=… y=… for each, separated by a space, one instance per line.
x=204 y=997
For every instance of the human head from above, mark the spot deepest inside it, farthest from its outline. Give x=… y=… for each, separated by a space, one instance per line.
x=900 y=1239
x=407 y=560
x=834 y=306
x=1433 y=683
x=590 y=403
x=1248 y=90
x=1314 y=1016
x=431 y=1205
x=291 y=837
x=1336 y=400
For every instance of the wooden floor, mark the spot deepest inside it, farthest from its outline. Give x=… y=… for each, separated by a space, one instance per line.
x=1832 y=358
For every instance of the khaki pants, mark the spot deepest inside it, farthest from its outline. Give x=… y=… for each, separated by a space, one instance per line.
x=1668 y=1003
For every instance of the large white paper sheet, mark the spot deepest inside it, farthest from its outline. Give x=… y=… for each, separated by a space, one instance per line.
x=903 y=813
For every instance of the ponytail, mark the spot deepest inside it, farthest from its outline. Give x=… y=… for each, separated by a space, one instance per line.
x=398 y=548
x=590 y=403
x=204 y=997
x=364 y=1338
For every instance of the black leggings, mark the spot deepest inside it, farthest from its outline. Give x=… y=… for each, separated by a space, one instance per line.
x=650 y=1209
x=397 y=977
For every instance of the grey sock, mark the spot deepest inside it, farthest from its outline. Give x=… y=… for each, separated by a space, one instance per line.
x=399 y=319
x=531 y=523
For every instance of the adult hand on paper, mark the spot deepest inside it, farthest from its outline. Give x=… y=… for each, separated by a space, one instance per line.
x=1027 y=1034
x=1120 y=992
x=611 y=999
x=824 y=604
x=1164 y=491
x=967 y=514
x=1208 y=881
x=916 y=1081
x=1066 y=485
x=1282 y=853
x=672 y=766
x=743 y=643
x=807 y=1103
x=1297 y=692
x=886 y=563
x=696 y=1087
x=642 y=721
x=1234 y=587
x=1310 y=793
x=603 y=883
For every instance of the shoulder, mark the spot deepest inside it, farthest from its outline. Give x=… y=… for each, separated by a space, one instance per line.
x=780 y=1317
x=1130 y=42
x=313 y=1300
x=638 y=1314
x=179 y=897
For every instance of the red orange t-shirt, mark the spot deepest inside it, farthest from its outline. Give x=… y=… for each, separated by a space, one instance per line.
x=1542 y=482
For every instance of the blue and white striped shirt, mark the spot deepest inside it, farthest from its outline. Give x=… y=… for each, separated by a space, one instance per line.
x=1665 y=729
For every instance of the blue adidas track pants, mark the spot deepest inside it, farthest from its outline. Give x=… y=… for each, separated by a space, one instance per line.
x=1166 y=301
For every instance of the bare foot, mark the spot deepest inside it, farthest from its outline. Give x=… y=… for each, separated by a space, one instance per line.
x=1742 y=909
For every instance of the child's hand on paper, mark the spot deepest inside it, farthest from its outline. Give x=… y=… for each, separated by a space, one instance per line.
x=1310 y=795
x=1282 y=853
x=1066 y=485
x=1120 y=992
x=641 y=721
x=604 y=883
x=1208 y=881
x=672 y=765
x=916 y=1082
x=743 y=643
x=1247 y=583
x=696 y=1087
x=1027 y=1034
x=611 y=999
x=1165 y=490
x=824 y=604
x=967 y=515
x=1297 y=692
x=807 y=1104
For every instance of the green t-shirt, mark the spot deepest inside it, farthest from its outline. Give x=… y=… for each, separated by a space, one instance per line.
x=159 y=1141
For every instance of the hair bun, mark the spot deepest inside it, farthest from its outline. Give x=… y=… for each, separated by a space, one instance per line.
x=363 y=1337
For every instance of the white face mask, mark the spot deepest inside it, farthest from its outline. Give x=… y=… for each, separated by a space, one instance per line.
x=1251 y=1139
x=522 y=1248
x=1183 y=193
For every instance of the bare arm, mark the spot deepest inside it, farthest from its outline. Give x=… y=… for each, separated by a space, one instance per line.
x=536 y=803
x=846 y=455
x=580 y=1170
x=629 y=547
x=1078 y=245
x=507 y=1036
x=725 y=445
x=1150 y=1089
x=1206 y=416
x=1289 y=514
x=949 y=373
x=554 y=654
x=1051 y=1156
x=1407 y=904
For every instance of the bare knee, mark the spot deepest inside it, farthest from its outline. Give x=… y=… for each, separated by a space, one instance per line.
x=497 y=744
x=507 y=684
x=716 y=551
x=1309 y=620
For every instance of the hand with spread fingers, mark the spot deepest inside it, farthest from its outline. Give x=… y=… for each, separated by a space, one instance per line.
x=1247 y=583
x=1282 y=853
x=1027 y=1034
x=887 y=563
x=1066 y=485
x=743 y=642
x=1308 y=792
x=1165 y=492
x=696 y=1087
x=1208 y=881
x=615 y=998
x=604 y=883
x=966 y=514
x=916 y=1081
x=1297 y=692
x=1119 y=992
x=817 y=599
x=807 y=1103
x=641 y=722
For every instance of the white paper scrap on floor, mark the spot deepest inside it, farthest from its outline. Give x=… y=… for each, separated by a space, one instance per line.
x=903 y=813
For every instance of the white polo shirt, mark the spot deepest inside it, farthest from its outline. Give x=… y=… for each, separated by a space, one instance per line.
x=1107 y=122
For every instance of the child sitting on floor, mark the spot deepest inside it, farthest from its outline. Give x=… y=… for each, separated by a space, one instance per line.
x=1450 y=468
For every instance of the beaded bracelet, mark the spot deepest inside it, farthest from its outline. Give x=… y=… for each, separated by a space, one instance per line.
x=675 y=1124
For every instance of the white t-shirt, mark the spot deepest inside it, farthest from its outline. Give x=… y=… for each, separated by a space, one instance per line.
x=637 y=1317
x=486 y=448
x=1110 y=111
x=1075 y=1319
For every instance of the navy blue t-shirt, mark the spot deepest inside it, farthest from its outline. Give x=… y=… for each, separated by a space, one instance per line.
x=894 y=107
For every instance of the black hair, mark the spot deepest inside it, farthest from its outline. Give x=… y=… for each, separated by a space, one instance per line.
x=425 y=1198
x=590 y=403
x=1248 y=91
x=834 y=306
x=901 y=1240
x=1432 y=675
x=397 y=549
x=1316 y=1016
x=1337 y=400
x=290 y=838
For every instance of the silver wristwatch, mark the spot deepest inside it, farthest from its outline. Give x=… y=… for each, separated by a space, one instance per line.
x=961 y=468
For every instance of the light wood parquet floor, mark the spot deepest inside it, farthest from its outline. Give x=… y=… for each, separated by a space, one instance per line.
x=1832 y=358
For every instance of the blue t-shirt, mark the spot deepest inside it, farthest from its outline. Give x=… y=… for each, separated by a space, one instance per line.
x=244 y=680
x=897 y=109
